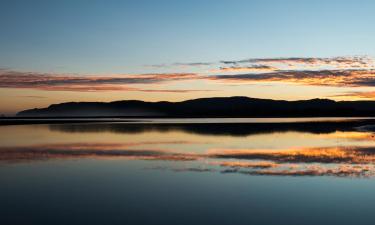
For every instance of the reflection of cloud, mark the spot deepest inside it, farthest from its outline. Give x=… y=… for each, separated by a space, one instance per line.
x=330 y=161
x=308 y=77
x=328 y=155
x=355 y=155
x=352 y=135
x=193 y=169
x=319 y=170
x=103 y=150
x=241 y=164
x=341 y=170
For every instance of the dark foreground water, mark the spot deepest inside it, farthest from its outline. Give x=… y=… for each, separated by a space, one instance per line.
x=187 y=173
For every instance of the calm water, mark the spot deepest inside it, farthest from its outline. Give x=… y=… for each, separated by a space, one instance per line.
x=194 y=172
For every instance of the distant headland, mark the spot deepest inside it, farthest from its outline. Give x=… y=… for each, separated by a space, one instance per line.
x=235 y=107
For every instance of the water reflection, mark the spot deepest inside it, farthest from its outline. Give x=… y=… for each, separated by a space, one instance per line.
x=231 y=129
x=339 y=161
x=279 y=149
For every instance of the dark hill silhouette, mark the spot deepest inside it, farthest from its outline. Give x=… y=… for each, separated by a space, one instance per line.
x=208 y=107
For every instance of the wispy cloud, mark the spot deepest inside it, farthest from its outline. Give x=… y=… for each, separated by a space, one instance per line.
x=175 y=90
x=336 y=71
x=295 y=62
x=52 y=82
x=253 y=68
x=357 y=94
x=59 y=82
x=30 y=96
x=192 y=64
x=340 y=78
x=348 y=71
x=340 y=62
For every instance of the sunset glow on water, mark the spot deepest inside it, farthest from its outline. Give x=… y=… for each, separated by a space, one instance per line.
x=121 y=162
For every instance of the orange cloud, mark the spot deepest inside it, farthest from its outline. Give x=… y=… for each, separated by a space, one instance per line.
x=357 y=94
x=59 y=82
x=352 y=78
x=258 y=73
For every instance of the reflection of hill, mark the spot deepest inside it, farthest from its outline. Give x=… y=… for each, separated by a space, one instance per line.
x=232 y=129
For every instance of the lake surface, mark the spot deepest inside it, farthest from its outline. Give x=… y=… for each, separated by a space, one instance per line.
x=195 y=171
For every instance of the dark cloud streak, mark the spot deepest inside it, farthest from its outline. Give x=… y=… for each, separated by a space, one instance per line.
x=352 y=78
x=58 y=82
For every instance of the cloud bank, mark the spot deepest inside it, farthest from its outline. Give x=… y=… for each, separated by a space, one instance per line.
x=339 y=78
x=340 y=62
x=295 y=62
x=58 y=82
x=335 y=71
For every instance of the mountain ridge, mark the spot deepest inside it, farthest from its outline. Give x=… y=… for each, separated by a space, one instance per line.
x=235 y=106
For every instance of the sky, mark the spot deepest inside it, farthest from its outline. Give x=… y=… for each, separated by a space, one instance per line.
x=60 y=51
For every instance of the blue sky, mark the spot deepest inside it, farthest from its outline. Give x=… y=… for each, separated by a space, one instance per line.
x=122 y=36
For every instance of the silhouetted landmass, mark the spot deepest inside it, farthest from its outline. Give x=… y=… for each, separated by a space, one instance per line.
x=208 y=107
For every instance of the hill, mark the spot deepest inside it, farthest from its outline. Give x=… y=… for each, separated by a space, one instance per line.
x=207 y=107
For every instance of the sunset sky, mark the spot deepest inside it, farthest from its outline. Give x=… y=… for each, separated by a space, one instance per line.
x=59 y=51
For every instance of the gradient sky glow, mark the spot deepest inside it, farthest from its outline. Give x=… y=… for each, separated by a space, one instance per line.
x=57 y=51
